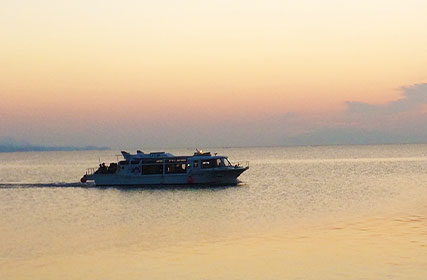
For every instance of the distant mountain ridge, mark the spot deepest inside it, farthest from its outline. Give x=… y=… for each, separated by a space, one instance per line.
x=8 y=145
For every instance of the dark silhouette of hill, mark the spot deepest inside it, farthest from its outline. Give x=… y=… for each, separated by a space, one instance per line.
x=9 y=145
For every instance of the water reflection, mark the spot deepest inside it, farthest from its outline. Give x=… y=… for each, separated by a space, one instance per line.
x=305 y=213
x=192 y=187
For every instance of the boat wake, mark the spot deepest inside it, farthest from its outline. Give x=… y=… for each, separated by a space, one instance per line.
x=92 y=185
x=45 y=185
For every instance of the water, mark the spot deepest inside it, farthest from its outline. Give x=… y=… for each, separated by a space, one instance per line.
x=335 y=212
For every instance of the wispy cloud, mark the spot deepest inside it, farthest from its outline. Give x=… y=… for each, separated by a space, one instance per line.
x=399 y=121
x=413 y=97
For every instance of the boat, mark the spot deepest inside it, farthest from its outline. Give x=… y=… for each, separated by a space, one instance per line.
x=161 y=168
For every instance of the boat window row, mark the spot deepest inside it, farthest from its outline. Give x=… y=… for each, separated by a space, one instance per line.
x=176 y=160
x=153 y=161
x=173 y=165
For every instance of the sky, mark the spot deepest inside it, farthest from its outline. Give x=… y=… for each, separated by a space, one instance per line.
x=213 y=73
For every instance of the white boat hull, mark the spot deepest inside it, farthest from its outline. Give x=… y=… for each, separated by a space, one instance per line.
x=212 y=177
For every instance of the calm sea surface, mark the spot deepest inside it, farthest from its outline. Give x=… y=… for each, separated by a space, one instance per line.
x=336 y=212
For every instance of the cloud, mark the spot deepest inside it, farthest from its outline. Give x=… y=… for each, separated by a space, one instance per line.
x=413 y=97
x=405 y=110
x=400 y=121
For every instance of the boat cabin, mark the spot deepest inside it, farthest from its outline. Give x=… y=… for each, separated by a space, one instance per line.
x=163 y=164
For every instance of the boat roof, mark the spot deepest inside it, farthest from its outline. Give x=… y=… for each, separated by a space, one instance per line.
x=140 y=155
x=162 y=155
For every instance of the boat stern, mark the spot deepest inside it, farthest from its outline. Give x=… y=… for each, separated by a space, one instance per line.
x=88 y=175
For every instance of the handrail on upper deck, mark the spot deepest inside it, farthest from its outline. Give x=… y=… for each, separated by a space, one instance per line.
x=90 y=171
x=243 y=164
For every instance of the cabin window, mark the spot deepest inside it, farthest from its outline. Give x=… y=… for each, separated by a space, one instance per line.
x=210 y=163
x=151 y=169
x=195 y=164
x=124 y=162
x=225 y=162
x=152 y=166
x=135 y=161
x=175 y=168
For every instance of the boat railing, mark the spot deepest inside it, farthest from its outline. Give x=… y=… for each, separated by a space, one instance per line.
x=90 y=171
x=242 y=164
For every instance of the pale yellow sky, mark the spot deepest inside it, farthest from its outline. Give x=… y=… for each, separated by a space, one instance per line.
x=247 y=58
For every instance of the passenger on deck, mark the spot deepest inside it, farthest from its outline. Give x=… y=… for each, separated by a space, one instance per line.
x=102 y=168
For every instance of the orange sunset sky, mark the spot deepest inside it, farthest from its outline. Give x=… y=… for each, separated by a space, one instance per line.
x=213 y=73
